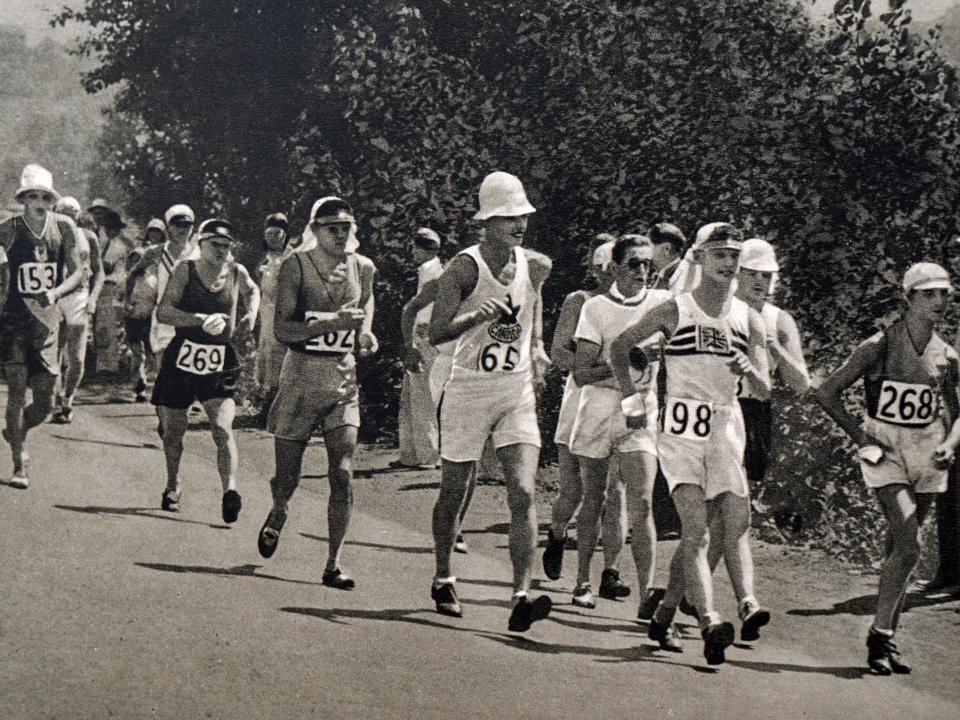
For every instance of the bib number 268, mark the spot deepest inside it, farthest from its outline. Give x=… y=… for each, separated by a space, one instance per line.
x=495 y=357
x=688 y=419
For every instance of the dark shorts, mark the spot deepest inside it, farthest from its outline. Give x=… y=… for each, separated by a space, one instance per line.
x=25 y=342
x=176 y=388
x=138 y=330
x=758 y=423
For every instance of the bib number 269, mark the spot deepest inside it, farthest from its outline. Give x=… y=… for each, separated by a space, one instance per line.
x=690 y=419
x=198 y=359
x=496 y=356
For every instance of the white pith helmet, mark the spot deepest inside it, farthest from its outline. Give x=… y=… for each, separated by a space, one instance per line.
x=757 y=254
x=502 y=195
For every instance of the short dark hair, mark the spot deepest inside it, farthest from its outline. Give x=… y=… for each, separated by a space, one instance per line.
x=667 y=233
x=622 y=245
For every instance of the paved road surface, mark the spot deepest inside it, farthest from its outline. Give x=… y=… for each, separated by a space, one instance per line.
x=114 y=609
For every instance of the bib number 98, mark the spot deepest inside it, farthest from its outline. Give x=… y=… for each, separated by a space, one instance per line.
x=200 y=359
x=907 y=403
x=34 y=278
x=686 y=418
x=496 y=357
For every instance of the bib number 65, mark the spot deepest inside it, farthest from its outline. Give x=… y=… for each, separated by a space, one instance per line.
x=495 y=357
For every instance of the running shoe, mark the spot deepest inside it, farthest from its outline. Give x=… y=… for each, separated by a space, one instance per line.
x=336 y=579
x=665 y=635
x=140 y=391
x=716 y=639
x=170 y=501
x=611 y=586
x=648 y=605
x=754 y=617
x=583 y=596
x=445 y=596
x=883 y=656
x=230 y=507
x=460 y=545
x=269 y=536
x=525 y=613
x=553 y=556
x=20 y=479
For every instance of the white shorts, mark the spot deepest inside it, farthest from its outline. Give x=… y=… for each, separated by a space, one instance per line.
x=73 y=308
x=439 y=374
x=911 y=462
x=568 y=412
x=714 y=464
x=601 y=428
x=473 y=408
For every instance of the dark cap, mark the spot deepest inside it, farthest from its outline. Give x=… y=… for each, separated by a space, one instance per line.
x=215 y=228
x=426 y=239
x=277 y=219
x=667 y=233
x=330 y=210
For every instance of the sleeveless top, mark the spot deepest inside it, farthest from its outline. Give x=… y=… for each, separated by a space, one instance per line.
x=769 y=313
x=197 y=298
x=37 y=263
x=501 y=346
x=697 y=354
x=160 y=333
x=904 y=387
x=317 y=295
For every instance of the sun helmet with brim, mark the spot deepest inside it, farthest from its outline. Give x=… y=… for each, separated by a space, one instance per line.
x=718 y=235
x=502 y=195
x=758 y=255
x=926 y=276
x=35 y=178
x=214 y=228
x=331 y=210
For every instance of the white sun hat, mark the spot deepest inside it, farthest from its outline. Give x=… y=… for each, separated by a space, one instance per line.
x=36 y=178
x=757 y=254
x=502 y=195
x=926 y=276
x=68 y=205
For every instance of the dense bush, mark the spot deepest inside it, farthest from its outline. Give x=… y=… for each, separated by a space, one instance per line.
x=837 y=144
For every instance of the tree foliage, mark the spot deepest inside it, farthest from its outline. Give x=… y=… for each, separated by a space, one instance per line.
x=838 y=144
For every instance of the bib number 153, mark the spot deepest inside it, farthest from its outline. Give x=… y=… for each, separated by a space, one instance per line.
x=497 y=356
x=33 y=278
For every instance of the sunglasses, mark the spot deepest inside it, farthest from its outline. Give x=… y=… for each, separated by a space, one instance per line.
x=222 y=245
x=182 y=224
x=634 y=263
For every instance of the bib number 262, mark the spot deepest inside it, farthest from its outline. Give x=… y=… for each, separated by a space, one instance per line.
x=198 y=359
x=496 y=356
x=690 y=419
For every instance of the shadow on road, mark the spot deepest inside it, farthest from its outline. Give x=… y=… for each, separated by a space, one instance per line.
x=844 y=673
x=237 y=571
x=146 y=512
x=637 y=653
x=376 y=546
x=503 y=528
x=421 y=486
x=342 y=616
x=111 y=443
x=867 y=605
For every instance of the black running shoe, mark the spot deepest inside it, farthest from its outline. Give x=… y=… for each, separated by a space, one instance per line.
x=336 y=579
x=883 y=657
x=687 y=608
x=553 y=556
x=665 y=635
x=445 y=596
x=611 y=586
x=716 y=639
x=170 y=501
x=648 y=605
x=269 y=536
x=230 y=507
x=525 y=613
x=753 y=618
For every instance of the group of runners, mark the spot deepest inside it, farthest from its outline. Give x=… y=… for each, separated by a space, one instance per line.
x=669 y=353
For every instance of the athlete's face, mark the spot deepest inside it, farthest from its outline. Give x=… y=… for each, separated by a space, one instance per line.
x=422 y=255
x=215 y=251
x=663 y=255
x=179 y=231
x=632 y=272
x=507 y=231
x=930 y=304
x=332 y=237
x=154 y=237
x=274 y=237
x=753 y=284
x=599 y=276
x=719 y=264
x=36 y=204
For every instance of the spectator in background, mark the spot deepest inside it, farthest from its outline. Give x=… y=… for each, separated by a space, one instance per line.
x=419 y=431
x=270 y=351
x=114 y=249
x=671 y=270
x=140 y=298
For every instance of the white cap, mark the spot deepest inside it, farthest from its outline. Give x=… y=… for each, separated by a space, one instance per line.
x=38 y=178
x=757 y=254
x=502 y=195
x=718 y=235
x=603 y=255
x=68 y=205
x=176 y=212
x=156 y=224
x=926 y=276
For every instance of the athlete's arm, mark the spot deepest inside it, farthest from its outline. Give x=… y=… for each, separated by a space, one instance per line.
x=786 y=346
x=4 y=274
x=563 y=346
x=167 y=311
x=457 y=282
x=586 y=368
x=72 y=260
x=830 y=393
x=754 y=368
x=539 y=267
x=251 y=297
x=289 y=331
x=663 y=318
x=408 y=318
x=368 y=341
x=943 y=454
x=96 y=272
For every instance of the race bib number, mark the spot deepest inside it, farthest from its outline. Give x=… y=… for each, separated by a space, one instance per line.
x=333 y=342
x=907 y=404
x=686 y=418
x=498 y=357
x=200 y=359
x=36 y=277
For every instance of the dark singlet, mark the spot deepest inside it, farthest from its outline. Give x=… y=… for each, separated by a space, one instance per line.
x=35 y=266
x=317 y=295
x=198 y=299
